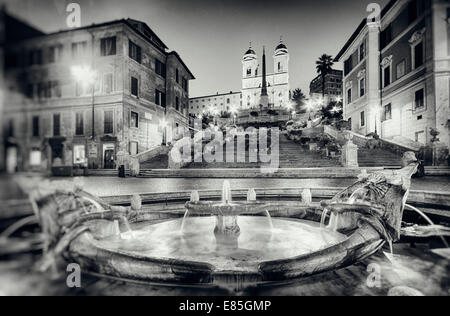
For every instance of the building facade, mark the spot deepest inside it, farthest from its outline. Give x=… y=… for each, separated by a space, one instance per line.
x=396 y=72
x=277 y=87
x=217 y=103
x=333 y=86
x=81 y=96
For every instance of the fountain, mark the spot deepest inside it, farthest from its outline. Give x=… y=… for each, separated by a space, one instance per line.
x=251 y=241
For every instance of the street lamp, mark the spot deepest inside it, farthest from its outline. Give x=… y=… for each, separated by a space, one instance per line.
x=86 y=76
x=310 y=107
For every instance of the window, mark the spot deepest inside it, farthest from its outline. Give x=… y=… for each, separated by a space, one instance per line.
x=420 y=137
x=348 y=66
x=401 y=69
x=363 y=119
x=107 y=83
x=54 y=89
x=42 y=87
x=79 y=154
x=387 y=112
x=79 y=50
x=177 y=103
x=54 y=53
x=362 y=87
x=134 y=120
x=280 y=69
x=134 y=86
x=56 y=124
x=249 y=72
x=362 y=51
x=349 y=96
x=108 y=122
x=108 y=46
x=228 y=101
x=350 y=123
x=387 y=76
x=184 y=84
x=419 y=99
x=160 y=68
x=35 y=126
x=79 y=124
x=160 y=98
x=35 y=57
x=418 y=55
x=177 y=76
x=135 y=52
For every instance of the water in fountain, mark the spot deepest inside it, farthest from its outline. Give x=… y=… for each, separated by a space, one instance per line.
x=226 y=193
x=269 y=217
x=323 y=218
x=195 y=197
x=424 y=216
x=251 y=197
x=129 y=231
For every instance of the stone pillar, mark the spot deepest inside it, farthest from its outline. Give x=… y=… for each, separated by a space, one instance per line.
x=349 y=157
x=441 y=64
x=440 y=154
x=135 y=167
x=373 y=115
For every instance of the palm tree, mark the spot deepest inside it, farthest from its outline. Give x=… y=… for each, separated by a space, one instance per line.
x=324 y=66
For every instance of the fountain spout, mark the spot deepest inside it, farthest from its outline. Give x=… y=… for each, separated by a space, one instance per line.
x=251 y=195
x=226 y=193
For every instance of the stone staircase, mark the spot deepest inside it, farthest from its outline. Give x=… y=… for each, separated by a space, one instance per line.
x=292 y=155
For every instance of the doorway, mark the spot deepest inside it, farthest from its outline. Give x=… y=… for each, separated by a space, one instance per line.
x=109 y=159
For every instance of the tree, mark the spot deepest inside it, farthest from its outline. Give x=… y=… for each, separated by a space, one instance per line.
x=324 y=66
x=298 y=97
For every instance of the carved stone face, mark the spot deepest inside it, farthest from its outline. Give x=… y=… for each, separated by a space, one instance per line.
x=408 y=158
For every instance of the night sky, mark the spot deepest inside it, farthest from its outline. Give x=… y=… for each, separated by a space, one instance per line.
x=212 y=35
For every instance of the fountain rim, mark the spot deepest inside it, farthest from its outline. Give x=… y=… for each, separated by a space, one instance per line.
x=355 y=247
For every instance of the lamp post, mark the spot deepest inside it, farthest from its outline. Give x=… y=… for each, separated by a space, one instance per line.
x=310 y=107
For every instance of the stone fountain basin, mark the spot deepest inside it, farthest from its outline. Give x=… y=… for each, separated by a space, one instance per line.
x=232 y=209
x=91 y=252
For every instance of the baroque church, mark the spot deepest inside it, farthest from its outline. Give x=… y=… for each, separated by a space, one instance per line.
x=260 y=89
